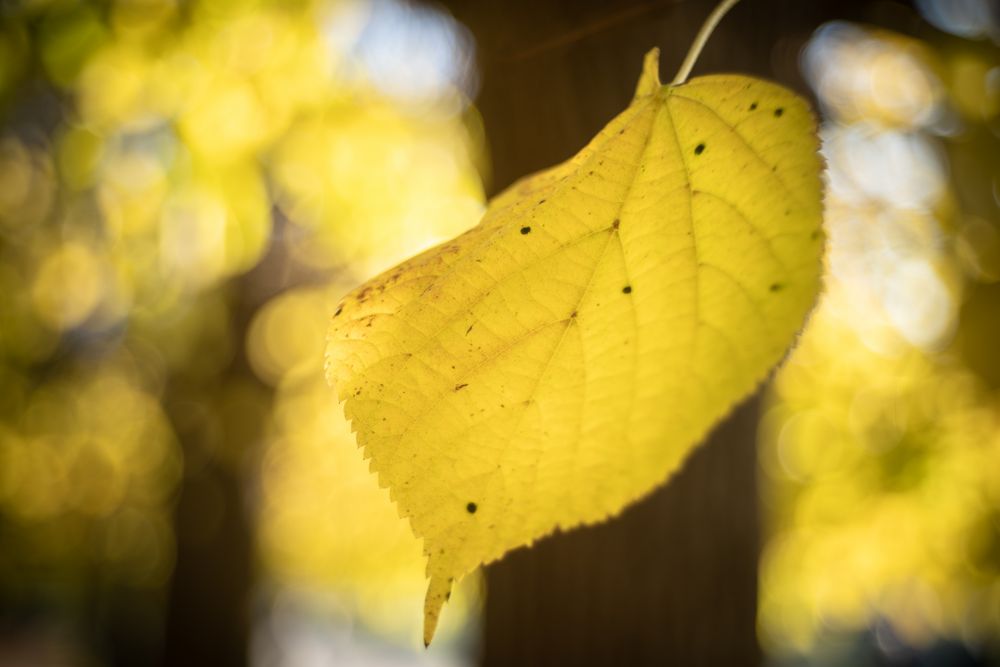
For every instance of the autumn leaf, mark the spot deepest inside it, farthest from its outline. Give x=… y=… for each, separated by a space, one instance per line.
x=561 y=359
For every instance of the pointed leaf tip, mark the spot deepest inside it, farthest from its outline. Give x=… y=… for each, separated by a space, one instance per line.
x=649 y=80
x=438 y=592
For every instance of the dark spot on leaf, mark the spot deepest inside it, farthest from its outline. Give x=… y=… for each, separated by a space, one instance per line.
x=627 y=289
x=471 y=508
x=469 y=330
x=814 y=235
x=776 y=287
x=753 y=107
x=461 y=386
x=340 y=309
x=699 y=149
x=572 y=315
x=525 y=230
x=778 y=112
x=541 y=201
x=617 y=223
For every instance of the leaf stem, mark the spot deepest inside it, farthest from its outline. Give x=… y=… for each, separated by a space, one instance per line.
x=699 y=42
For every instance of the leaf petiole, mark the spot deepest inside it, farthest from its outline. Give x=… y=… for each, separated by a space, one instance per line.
x=699 y=42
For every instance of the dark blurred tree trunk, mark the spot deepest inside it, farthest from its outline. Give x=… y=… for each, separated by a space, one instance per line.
x=220 y=419
x=209 y=614
x=674 y=579
x=209 y=610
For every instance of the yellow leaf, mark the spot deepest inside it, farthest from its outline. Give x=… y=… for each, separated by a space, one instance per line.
x=561 y=359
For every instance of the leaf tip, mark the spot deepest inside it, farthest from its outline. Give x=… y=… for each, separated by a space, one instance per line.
x=438 y=592
x=649 y=80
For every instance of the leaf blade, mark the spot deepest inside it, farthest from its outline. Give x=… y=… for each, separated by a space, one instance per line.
x=561 y=359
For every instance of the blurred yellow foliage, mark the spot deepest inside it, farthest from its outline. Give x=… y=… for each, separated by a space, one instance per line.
x=884 y=493
x=880 y=449
x=92 y=446
x=345 y=174
x=173 y=148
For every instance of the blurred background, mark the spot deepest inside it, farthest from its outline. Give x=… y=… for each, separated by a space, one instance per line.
x=187 y=187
